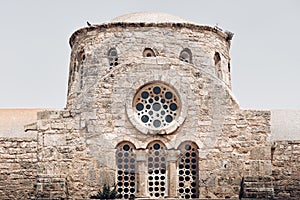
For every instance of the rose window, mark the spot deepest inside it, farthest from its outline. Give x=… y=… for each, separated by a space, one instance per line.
x=156 y=106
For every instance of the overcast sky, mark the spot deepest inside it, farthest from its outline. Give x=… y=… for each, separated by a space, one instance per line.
x=35 y=53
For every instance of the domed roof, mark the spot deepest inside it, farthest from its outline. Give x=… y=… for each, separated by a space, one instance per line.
x=148 y=17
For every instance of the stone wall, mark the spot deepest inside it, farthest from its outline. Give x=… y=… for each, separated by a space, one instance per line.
x=286 y=169
x=130 y=43
x=284 y=182
x=57 y=147
x=18 y=168
x=75 y=161
x=232 y=142
x=103 y=95
x=245 y=152
x=66 y=167
x=74 y=152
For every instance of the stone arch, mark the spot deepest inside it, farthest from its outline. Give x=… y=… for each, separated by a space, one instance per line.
x=157 y=170
x=126 y=170
x=186 y=55
x=217 y=59
x=177 y=118
x=80 y=56
x=188 y=170
x=148 y=52
x=113 y=57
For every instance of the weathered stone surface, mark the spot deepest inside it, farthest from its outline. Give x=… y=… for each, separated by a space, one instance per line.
x=285 y=170
x=73 y=152
x=18 y=168
x=257 y=187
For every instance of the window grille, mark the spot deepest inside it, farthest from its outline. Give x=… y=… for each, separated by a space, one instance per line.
x=186 y=55
x=156 y=106
x=113 y=57
x=125 y=158
x=157 y=170
x=188 y=171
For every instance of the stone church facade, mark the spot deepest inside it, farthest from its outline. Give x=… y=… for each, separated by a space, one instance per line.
x=151 y=111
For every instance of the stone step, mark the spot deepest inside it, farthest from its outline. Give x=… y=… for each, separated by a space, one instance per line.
x=257 y=187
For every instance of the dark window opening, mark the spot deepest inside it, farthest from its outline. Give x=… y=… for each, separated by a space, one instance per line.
x=186 y=55
x=125 y=161
x=188 y=171
x=217 y=59
x=81 y=77
x=157 y=170
x=81 y=56
x=113 y=58
x=149 y=53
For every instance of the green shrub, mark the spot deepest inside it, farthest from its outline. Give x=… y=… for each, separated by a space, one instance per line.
x=106 y=193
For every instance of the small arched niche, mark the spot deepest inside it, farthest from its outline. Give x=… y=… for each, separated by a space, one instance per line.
x=186 y=55
x=217 y=59
x=81 y=56
x=113 y=57
x=148 y=52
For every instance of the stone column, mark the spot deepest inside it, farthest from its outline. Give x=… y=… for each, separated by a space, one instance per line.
x=141 y=173
x=172 y=157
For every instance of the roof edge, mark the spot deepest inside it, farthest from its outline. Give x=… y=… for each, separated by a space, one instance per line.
x=102 y=27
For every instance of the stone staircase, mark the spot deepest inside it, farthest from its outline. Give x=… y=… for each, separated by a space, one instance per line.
x=257 y=187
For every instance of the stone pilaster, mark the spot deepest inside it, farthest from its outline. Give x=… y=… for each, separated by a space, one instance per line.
x=172 y=157
x=141 y=167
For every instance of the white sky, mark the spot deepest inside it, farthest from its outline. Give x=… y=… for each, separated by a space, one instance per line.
x=35 y=53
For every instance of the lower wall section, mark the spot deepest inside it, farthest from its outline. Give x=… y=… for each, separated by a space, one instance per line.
x=286 y=169
x=18 y=168
x=19 y=178
x=50 y=186
x=257 y=187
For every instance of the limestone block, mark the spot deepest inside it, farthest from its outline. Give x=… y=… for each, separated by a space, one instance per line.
x=261 y=153
x=57 y=126
x=54 y=139
x=41 y=125
x=66 y=113
x=70 y=125
x=259 y=167
x=207 y=179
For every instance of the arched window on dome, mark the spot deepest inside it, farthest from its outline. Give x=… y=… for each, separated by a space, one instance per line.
x=217 y=59
x=148 y=52
x=126 y=164
x=79 y=67
x=113 y=57
x=188 y=171
x=186 y=55
x=157 y=170
x=81 y=76
x=81 y=56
